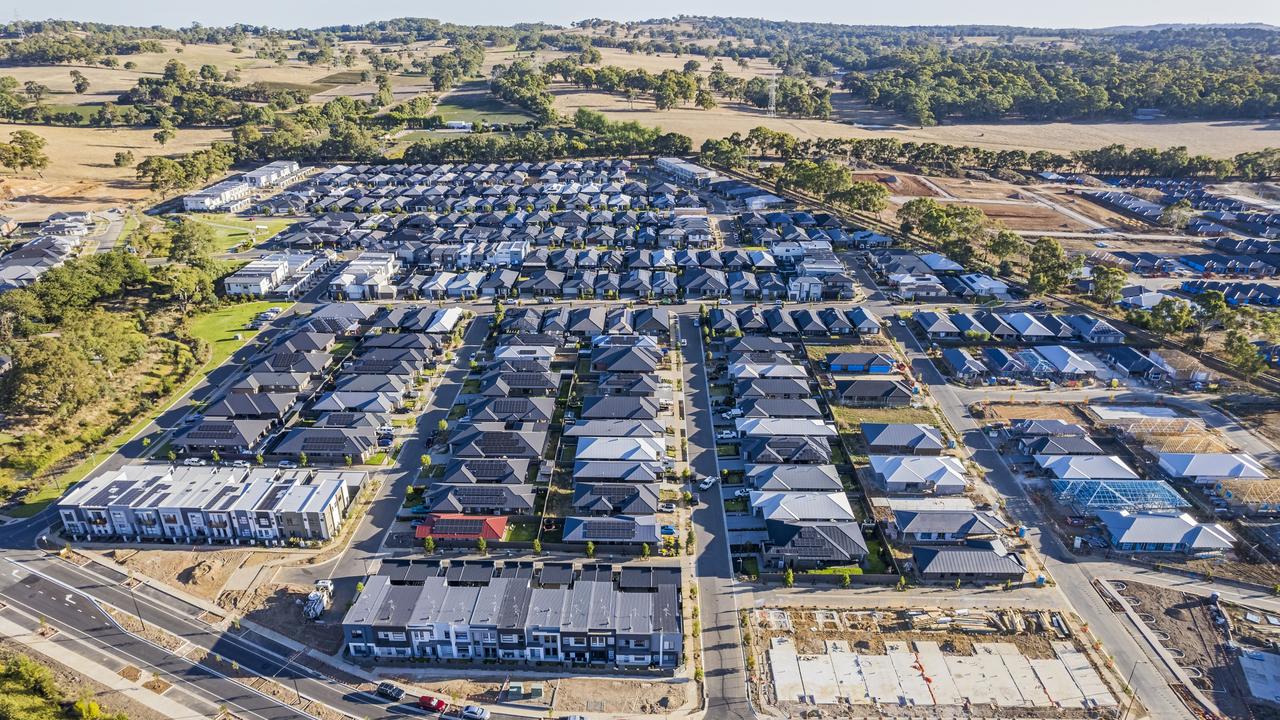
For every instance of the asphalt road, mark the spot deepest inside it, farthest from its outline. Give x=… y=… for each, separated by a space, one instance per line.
x=723 y=661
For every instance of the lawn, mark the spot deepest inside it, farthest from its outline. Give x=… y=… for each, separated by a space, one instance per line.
x=849 y=419
x=457 y=411
x=219 y=328
x=471 y=387
x=472 y=102
x=726 y=451
x=233 y=231
x=735 y=505
x=521 y=532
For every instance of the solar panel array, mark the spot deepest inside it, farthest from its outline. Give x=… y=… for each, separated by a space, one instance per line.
x=457 y=526
x=607 y=530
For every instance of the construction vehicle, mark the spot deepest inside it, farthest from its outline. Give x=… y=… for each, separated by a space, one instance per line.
x=318 y=600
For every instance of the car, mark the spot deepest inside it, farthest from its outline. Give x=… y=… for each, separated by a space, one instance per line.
x=417 y=523
x=668 y=530
x=193 y=418
x=240 y=463
x=386 y=430
x=286 y=464
x=741 y=493
x=574 y=717
x=726 y=301
x=385 y=440
x=706 y=483
x=430 y=704
x=726 y=435
x=902 y=323
x=545 y=300
x=667 y=507
x=684 y=342
x=1100 y=244
x=195 y=462
x=389 y=691
x=475 y=712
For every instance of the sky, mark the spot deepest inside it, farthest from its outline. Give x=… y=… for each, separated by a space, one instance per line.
x=316 y=13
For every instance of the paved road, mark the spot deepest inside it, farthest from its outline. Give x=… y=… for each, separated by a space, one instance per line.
x=84 y=629
x=723 y=660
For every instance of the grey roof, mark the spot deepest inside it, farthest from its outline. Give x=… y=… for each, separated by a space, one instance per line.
x=955 y=522
x=839 y=541
x=623 y=471
x=615 y=428
x=1164 y=528
x=812 y=478
x=917 y=437
x=978 y=559
x=1052 y=445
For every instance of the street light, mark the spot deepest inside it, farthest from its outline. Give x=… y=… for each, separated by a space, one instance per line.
x=137 y=610
x=1133 y=694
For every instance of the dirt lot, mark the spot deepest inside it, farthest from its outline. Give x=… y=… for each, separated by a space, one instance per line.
x=978 y=189
x=623 y=696
x=277 y=607
x=199 y=572
x=904 y=184
x=1006 y=412
x=81 y=175
x=74 y=684
x=1188 y=622
x=1030 y=216
x=1259 y=415
x=1091 y=209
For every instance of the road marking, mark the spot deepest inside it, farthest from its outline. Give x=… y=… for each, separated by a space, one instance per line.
x=68 y=599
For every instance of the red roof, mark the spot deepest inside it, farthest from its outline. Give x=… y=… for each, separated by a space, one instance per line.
x=455 y=526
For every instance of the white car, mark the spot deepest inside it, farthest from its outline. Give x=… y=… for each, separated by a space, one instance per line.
x=726 y=435
x=706 y=483
x=195 y=462
x=741 y=493
x=475 y=712
x=286 y=464
x=667 y=507
x=726 y=301
x=240 y=463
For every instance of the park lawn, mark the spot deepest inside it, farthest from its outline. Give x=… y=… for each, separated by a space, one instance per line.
x=232 y=231
x=850 y=419
x=219 y=328
x=472 y=102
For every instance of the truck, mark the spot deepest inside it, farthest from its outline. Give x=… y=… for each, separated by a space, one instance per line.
x=318 y=600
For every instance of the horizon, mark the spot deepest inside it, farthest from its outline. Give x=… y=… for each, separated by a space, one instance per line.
x=1089 y=15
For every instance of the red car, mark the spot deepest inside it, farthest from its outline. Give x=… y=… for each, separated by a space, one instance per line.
x=431 y=704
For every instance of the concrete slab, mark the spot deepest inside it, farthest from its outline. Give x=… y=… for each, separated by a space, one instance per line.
x=1024 y=678
x=787 y=682
x=1086 y=678
x=934 y=666
x=819 y=679
x=1133 y=412
x=882 y=681
x=915 y=691
x=1262 y=672
x=849 y=680
x=997 y=679
x=1057 y=683
x=966 y=672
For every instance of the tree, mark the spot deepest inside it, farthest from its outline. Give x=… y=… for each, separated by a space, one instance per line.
x=79 y=82
x=864 y=196
x=591 y=549
x=302 y=459
x=123 y=158
x=359 y=587
x=1107 y=284
x=25 y=149
x=1049 y=269
x=482 y=546
x=215 y=457
x=35 y=91
x=192 y=243
x=1177 y=215
x=443 y=425
x=1211 y=308
x=1243 y=353
x=188 y=285
x=645 y=551
x=788 y=578
x=425 y=461
x=537 y=546
x=164 y=135
x=429 y=545
x=1170 y=316
x=1005 y=243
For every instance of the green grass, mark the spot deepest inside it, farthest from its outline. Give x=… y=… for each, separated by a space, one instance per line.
x=850 y=419
x=377 y=458
x=218 y=328
x=735 y=505
x=472 y=102
x=521 y=532
x=85 y=111
x=726 y=451
x=457 y=411
x=749 y=566
x=233 y=231
x=471 y=387
x=342 y=77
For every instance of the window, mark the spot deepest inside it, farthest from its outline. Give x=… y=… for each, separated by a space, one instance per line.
x=357 y=633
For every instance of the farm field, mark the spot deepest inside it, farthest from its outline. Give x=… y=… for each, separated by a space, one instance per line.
x=81 y=175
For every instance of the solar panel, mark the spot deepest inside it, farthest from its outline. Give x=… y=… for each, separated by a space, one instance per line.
x=607 y=530
x=457 y=526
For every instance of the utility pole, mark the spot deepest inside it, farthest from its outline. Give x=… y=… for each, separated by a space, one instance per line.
x=137 y=610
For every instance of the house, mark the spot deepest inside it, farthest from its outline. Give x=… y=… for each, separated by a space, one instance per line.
x=619 y=407
x=864 y=321
x=861 y=363
x=903 y=438
x=810 y=544
x=1094 y=331
x=614 y=428
x=890 y=391
x=475 y=499
x=801 y=506
x=536 y=410
x=793 y=478
x=274 y=407
x=786 y=449
x=1163 y=532
x=333 y=445
x=963 y=365
x=643 y=449
x=615 y=498
x=1056 y=428
x=496 y=440
x=1085 y=467
x=1066 y=363
x=945 y=526
x=780 y=408
x=976 y=561
x=486 y=471
x=457 y=526
x=783 y=427
x=1055 y=445
x=1132 y=363
x=935 y=325
x=1211 y=468
x=633 y=471
x=613 y=530
x=227 y=437
x=919 y=474
x=805 y=288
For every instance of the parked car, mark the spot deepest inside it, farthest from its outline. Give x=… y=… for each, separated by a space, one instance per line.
x=706 y=483
x=431 y=704
x=389 y=691
x=726 y=435
x=726 y=301
x=741 y=493
x=195 y=462
x=668 y=530
x=193 y=418
x=240 y=463
x=286 y=464
x=475 y=712
x=667 y=507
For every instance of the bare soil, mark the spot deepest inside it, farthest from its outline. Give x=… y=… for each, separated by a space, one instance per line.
x=156 y=685
x=199 y=572
x=969 y=189
x=903 y=183
x=131 y=673
x=1191 y=630
x=637 y=697
x=1030 y=216
x=276 y=606
x=135 y=626
x=1029 y=411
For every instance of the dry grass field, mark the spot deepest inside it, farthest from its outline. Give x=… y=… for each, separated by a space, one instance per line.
x=1030 y=216
x=1214 y=138
x=901 y=184
x=967 y=189
x=81 y=175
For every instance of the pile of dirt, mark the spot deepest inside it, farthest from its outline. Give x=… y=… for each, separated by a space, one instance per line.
x=202 y=573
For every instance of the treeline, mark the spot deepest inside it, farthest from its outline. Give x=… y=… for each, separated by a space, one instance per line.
x=49 y=48
x=522 y=84
x=593 y=136
x=668 y=89
x=447 y=70
x=736 y=149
